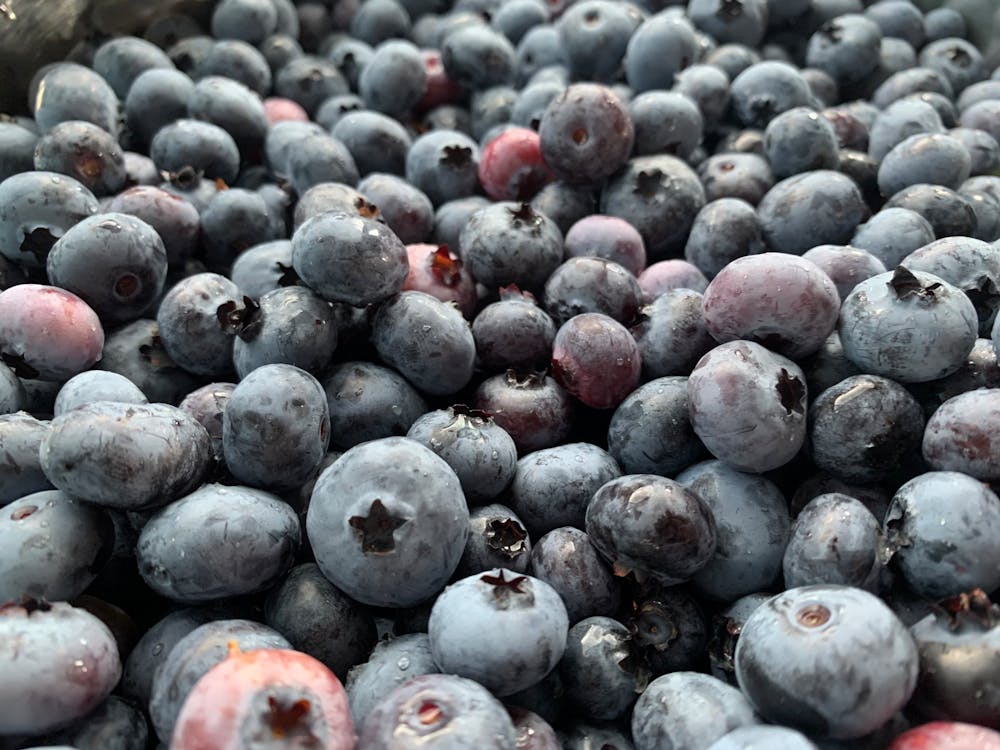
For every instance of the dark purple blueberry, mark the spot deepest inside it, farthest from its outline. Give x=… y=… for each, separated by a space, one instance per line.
x=116 y=723
x=688 y=709
x=958 y=658
x=317 y=159
x=503 y=629
x=320 y=620
x=308 y=80
x=607 y=237
x=85 y=152
x=960 y=435
x=596 y=359
x=60 y=663
x=565 y=203
x=864 y=429
x=592 y=285
x=845 y=265
x=446 y=709
x=481 y=453
x=791 y=654
x=949 y=213
x=748 y=405
x=533 y=732
x=941 y=526
x=531 y=406
x=671 y=333
x=174 y=219
x=908 y=326
x=595 y=668
x=275 y=427
x=668 y=275
x=958 y=60
x=127 y=456
x=799 y=140
x=724 y=230
x=752 y=525
x=136 y=352
x=202 y=146
x=835 y=539
x=566 y=560
x=653 y=526
x=478 y=57
x=513 y=332
x=726 y=628
x=405 y=209
x=497 y=539
x=370 y=520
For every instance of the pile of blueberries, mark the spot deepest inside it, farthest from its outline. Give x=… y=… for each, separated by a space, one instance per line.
x=504 y=374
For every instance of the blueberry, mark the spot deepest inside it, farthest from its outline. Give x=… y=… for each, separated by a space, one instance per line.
x=193 y=656
x=652 y=525
x=531 y=406
x=741 y=388
x=594 y=36
x=864 y=428
x=439 y=272
x=391 y=663
x=364 y=522
x=73 y=92
x=123 y=59
x=317 y=159
x=127 y=456
x=505 y=630
x=766 y=89
x=607 y=237
x=899 y=121
x=666 y=122
x=845 y=265
x=447 y=710
x=249 y=20
x=275 y=427
x=926 y=326
x=592 y=285
x=61 y=661
x=687 y=709
x=406 y=210
x=933 y=158
x=586 y=133
x=658 y=49
x=351 y=259
x=949 y=213
x=566 y=560
x=377 y=142
x=443 y=164
x=892 y=234
x=233 y=107
x=481 y=453
x=847 y=48
x=937 y=525
x=55 y=546
x=747 y=176
x=553 y=486
x=116 y=723
x=595 y=668
x=791 y=681
x=799 y=140
x=671 y=333
x=835 y=539
x=291 y=325
x=17 y=149
x=596 y=359
x=427 y=340
x=20 y=470
x=174 y=219
x=752 y=529
x=958 y=437
x=85 y=152
x=762 y=735
x=650 y=432
x=477 y=57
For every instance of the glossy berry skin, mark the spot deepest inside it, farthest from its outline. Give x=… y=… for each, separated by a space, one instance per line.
x=596 y=359
x=184 y=551
x=502 y=629
x=61 y=663
x=125 y=456
x=907 y=326
x=174 y=219
x=115 y=262
x=752 y=528
x=481 y=453
x=566 y=559
x=511 y=167
x=845 y=265
x=791 y=653
x=740 y=388
x=532 y=407
x=687 y=709
x=671 y=333
x=592 y=285
x=426 y=340
x=947 y=735
x=864 y=428
x=368 y=518
x=511 y=243
x=960 y=435
x=272 y=696
x=513 y=332
x=607 y=237
x=958 y=658
x=835 y=539
x=48 y=332
x=438 y=712
x=86 y=153
x=941 y=525
x=594 y=668
x=652 y=525
x=735 y=307
x=650 y=432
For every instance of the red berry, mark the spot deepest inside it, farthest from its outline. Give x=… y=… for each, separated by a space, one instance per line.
x=947 y=735
x=278 y=109
x=511 y=167
x=437 y=271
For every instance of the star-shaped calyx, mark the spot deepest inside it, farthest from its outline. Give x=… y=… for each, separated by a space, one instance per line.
x=508 y=591
x=376 y=529
x=507 y=536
